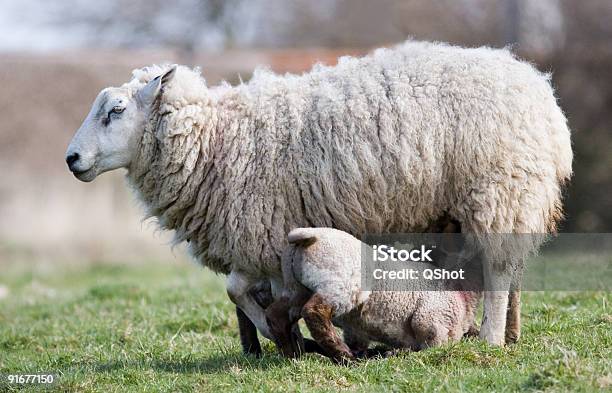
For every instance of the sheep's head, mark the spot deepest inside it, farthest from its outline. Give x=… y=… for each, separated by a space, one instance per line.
x=110 y=134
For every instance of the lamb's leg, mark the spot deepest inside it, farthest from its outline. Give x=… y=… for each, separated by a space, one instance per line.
x=496 y=294
x=248 y=334
x=282 y=317
x=317 y=314
x=513 y=317
x=311 y=346
x=280 y=325
x=238 y=287
x=389 y=353
x=357 y=342
x=427 y=329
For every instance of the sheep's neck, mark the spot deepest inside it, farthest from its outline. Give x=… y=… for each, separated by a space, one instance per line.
x=176 y=175
x=174 y=161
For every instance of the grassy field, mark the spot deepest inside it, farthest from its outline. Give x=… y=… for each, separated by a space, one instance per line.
x=170 y=327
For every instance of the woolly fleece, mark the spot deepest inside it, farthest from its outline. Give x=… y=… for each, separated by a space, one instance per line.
x=384 y=143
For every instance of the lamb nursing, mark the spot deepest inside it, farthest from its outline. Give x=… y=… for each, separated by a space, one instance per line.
x=322 y=283
x=386 y=143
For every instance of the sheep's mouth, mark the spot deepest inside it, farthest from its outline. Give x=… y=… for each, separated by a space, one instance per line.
x=86 y=175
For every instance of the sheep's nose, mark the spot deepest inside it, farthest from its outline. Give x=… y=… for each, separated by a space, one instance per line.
x=71 y=159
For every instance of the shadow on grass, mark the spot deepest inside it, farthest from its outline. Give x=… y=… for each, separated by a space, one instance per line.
x=211 y=365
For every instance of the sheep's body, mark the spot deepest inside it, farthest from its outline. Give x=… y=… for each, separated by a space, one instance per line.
x=384 y=143
x=322 y=272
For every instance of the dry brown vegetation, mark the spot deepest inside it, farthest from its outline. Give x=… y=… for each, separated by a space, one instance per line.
x=45 y=211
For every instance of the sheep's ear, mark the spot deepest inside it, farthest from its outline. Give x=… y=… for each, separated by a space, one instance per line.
x=168 y=75
x=148 y=94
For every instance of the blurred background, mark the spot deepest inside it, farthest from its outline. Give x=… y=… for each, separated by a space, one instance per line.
x=56 y=55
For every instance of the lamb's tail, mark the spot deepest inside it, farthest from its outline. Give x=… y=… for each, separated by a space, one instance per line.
x=302 y=237
x=299 y=239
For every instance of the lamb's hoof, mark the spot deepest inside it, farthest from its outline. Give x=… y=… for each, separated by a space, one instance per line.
x=370 y=353
x=311 y=346
x=344 y=359
x=393 y=352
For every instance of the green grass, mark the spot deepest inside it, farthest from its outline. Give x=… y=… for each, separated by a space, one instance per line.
x=169 y=327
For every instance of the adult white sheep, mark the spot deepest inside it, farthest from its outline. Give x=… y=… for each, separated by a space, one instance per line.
x=385 y=143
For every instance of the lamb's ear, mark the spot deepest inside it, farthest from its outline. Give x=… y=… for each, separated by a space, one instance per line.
x=147 y=95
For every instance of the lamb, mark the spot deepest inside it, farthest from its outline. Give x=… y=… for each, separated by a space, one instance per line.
x=385 y=143
x=322 y=283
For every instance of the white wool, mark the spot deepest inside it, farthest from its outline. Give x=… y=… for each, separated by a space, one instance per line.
x=191 y=89
x=384 y=143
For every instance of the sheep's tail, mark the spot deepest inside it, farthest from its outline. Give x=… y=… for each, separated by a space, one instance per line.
x=302 y=237
x=558 y=134
x=560 y=137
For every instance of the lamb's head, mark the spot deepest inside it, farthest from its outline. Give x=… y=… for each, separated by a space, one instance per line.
x=110 y=134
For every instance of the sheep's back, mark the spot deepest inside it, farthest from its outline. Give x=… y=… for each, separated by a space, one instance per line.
x=388 y=142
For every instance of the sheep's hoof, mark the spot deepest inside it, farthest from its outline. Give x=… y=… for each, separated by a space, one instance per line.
x=491 y=338
x=253 y=351
x=473 y=331
x=512 y=337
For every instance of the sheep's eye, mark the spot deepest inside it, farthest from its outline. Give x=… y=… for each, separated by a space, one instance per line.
x=117 y=109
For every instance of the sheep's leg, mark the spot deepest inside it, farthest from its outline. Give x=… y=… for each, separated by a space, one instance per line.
x=494 y=317
x=513 y=317
x=318 y=314
x=495 y=304
x=248 y=334
x=473 y=331
x=238 y=287
x=262 y=293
